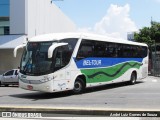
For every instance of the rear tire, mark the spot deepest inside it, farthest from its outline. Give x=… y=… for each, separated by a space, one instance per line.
x=79 y=86
x=133 y=78
x=0 y=84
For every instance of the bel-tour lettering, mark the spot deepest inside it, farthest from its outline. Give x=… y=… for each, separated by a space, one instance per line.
x=92 y=62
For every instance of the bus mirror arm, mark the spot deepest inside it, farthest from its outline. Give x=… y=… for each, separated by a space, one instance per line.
x=16 y=48
x=53 y=47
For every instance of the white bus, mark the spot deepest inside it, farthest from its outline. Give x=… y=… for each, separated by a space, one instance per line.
x=75 y=61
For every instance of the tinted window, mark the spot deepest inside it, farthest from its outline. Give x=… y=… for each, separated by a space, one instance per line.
x=131 y=51
x=9 y=73
x=85 y=50
x=62 y=55
x=71 y=43
x=111 y=50
x=91 y=48
x=35 y=59
x=99 y=49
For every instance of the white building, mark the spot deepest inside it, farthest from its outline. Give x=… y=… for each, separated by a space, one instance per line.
x=28 y=18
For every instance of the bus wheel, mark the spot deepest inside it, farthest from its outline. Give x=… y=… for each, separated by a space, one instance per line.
x=0 y=84
x=79 y=86
x=133 y=78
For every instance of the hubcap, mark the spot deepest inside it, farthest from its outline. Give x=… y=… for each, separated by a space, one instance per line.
x=78 y=86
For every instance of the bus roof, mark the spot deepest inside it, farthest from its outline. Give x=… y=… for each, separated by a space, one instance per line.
x=60 y=36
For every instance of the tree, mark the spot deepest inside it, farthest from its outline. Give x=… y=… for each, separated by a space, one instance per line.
x=149 y=35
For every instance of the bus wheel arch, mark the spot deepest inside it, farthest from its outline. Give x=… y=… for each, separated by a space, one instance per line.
x=79 y=84
x=133 y=78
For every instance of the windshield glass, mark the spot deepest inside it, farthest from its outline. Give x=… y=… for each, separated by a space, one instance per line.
x=35 y=59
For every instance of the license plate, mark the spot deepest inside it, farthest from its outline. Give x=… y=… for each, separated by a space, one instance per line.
x=30 y=87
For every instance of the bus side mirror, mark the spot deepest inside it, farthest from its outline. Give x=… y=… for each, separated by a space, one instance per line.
x=18 y=47
x=53 y=47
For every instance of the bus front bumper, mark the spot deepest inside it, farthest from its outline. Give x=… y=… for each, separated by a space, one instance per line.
x=43 y=87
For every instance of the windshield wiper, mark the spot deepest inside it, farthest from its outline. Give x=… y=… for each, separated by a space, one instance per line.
x=26 y=66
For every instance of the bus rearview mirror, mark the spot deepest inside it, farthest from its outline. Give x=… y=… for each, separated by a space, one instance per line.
x=18 y=47
x=53 y=47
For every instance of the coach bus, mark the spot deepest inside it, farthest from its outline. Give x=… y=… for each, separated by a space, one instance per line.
x=75 y=61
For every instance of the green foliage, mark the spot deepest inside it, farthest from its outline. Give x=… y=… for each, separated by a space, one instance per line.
x=149 y=35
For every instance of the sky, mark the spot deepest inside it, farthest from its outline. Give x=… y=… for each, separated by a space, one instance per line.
x=113 y=18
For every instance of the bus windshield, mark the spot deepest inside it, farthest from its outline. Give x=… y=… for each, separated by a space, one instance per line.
x=35 y=59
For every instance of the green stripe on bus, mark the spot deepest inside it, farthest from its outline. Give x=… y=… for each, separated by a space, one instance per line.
x=110 y=73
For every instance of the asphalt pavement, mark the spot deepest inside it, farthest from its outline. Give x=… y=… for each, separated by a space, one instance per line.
x=144 y=96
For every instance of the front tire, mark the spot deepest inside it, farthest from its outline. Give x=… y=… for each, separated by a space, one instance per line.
x=133 y=78
x=79 y=86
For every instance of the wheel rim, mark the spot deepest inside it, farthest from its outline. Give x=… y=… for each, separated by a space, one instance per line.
x=78 y=86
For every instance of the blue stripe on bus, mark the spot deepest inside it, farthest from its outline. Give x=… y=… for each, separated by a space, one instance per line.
x=103 y=62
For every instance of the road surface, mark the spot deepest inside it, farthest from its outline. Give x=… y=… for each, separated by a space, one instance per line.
x=143 y=95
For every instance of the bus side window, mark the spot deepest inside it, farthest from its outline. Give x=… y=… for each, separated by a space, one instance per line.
x=85 y=50
x=111 y=50
x=99 y=49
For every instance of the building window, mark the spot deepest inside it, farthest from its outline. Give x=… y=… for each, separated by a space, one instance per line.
x=6 y=30
x=4 y=26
